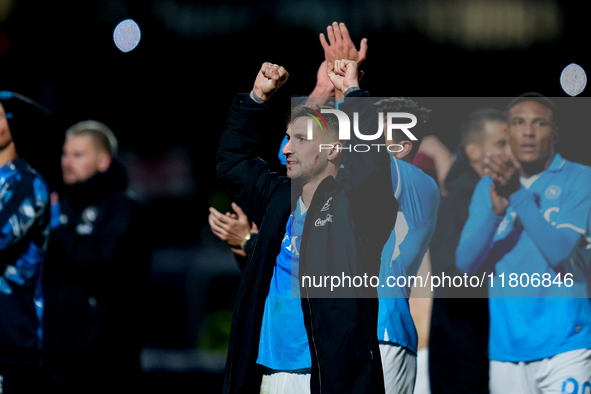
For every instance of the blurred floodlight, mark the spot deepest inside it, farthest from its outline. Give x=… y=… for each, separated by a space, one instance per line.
x=573 y=79
x=127 y=35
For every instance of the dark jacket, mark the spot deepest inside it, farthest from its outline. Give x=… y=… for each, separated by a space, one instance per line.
x=341 y=331
x=458 y=339
x=96 y=273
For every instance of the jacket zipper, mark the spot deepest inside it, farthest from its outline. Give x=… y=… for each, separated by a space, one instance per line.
x=313 y=337
x=365 y=329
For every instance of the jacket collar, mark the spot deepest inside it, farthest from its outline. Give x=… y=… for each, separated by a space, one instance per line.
x=557 y=163
x=328 y=184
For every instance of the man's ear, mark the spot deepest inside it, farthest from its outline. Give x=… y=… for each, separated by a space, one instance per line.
x=555 y=136
x=473 y=152
x=335 y=151
x=104 y=161
x=406 y=148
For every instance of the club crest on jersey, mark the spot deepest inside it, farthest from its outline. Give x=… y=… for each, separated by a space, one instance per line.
x=552 y=192
x=326 y=205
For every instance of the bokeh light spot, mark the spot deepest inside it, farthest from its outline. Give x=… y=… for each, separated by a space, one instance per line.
x=573 y=79
x=127 y=35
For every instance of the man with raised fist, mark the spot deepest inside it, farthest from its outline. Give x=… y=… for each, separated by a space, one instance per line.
x=286 y=336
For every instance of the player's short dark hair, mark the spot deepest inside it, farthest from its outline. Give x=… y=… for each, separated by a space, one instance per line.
x=331 y=120
x=472 y=129
x=405 y=104
x=538 y=98
x=532 y=96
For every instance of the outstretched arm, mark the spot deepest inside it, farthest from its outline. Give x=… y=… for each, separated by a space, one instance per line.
x=323 y=89
x=249 y=178
x=341 y=47
x=556 y=242
x=476 y=240
x=366 y=175
x=432 y=147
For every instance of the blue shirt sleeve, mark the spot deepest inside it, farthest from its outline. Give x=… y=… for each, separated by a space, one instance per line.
x=25 y=270
x=417 y=192
x=476 y=240
x=419 y=197
x=556 y=242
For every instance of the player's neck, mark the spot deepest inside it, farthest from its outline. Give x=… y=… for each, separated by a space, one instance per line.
x=309 y=188
x=535 y=167
x=478 y=167
x=308 y=191
x=7 y=153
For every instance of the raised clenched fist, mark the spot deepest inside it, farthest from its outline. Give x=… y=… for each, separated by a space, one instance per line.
x=270 y=78
x=343 y=74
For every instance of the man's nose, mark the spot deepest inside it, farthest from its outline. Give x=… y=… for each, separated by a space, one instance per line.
x=529 y=131
x=287 y=148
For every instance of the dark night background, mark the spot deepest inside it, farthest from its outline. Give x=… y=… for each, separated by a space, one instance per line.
x=167 y=99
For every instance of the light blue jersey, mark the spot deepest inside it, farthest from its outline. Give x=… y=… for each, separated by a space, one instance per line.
x=283 y=345
x=418 y=198
x=545 y=231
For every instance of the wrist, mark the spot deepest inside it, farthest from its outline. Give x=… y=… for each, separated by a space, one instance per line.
x=323 y=91
x=244 y=241
x=351 y=89
x=499 y=212
x=258 y=96
x=317 y=100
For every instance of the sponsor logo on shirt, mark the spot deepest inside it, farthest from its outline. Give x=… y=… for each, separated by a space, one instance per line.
x=322 y=222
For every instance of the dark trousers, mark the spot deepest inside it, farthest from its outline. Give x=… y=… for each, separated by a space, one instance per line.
x=19 y=379
x=458 y=346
